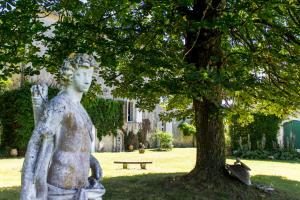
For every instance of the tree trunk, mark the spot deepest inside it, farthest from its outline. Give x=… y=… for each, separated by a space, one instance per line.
x=22 y=75
x=203 y=49
x=210 y=160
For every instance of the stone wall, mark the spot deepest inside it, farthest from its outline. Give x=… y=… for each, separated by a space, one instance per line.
x=107 y=144
x=179 y=139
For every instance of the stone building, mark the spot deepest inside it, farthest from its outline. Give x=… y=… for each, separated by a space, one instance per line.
x=144 y=122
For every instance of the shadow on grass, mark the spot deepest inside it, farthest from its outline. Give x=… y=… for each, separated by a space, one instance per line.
x=290 y=188
x=10 y=193
x=156 y=187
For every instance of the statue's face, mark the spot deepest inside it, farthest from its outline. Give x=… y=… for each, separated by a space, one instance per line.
x=82 y=78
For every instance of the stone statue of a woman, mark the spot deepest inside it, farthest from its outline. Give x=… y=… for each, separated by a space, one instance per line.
x=58 y=157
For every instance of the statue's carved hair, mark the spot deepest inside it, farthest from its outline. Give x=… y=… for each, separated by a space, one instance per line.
x=74 y=62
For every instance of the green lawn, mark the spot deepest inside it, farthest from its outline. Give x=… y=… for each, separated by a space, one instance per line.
x=135 y=183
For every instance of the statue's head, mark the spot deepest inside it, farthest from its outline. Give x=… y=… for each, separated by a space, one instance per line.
x=77 y=71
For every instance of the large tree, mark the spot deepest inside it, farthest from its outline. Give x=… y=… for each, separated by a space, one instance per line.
x=218 y=56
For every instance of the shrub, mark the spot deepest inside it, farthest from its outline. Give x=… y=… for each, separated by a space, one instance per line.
x=187 y=129
x=286 y=155
x=4 y=85
x=279 y=154
x=164 y=140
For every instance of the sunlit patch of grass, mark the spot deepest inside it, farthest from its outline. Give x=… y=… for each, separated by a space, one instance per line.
x=135 y=183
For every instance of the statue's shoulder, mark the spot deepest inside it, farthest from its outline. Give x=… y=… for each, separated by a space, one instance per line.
x=58 y=103
x=52 y=115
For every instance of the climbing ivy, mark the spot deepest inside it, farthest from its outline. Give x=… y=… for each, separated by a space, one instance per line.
x=107 y=115
x=187 y=129
x=17 y=117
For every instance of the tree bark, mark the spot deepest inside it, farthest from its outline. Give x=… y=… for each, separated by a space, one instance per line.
x=210 y=160
x=203 y=49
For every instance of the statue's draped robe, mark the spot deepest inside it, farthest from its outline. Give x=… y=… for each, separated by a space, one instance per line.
x=57 y=160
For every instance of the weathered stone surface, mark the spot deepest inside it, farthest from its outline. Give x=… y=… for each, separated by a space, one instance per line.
x=39 y=96
x=58 y=157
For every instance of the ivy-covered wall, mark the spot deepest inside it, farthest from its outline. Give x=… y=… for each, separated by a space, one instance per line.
x=107 y=115
x=16 y=116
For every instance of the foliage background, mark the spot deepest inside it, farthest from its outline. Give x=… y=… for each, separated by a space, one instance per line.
x=267 y=125
x=187 y=129
x=17 y=117
x=107 y=115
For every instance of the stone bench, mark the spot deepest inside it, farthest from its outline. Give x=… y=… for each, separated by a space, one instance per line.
x=125 y=163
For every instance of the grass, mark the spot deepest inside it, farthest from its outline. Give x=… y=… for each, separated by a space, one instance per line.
x=150 y=184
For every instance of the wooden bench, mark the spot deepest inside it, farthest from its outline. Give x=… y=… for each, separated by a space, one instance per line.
x=125 y=163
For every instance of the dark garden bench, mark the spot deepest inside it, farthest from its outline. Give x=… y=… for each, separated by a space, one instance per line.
x=125 y=163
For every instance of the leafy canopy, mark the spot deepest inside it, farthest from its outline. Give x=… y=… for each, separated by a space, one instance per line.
x=20 y=31
x=141 y=46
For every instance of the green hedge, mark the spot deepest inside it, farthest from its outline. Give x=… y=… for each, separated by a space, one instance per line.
x=16 y=116
x=277 y=154
x=262 y=127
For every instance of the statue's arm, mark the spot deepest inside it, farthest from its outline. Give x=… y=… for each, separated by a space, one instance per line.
x=31 y=156
x=29 y=165
x=40 y=134
x=96 y=168
x=39 y=150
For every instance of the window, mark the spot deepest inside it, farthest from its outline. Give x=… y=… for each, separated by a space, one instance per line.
x=130 y=111
x=163 y=126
